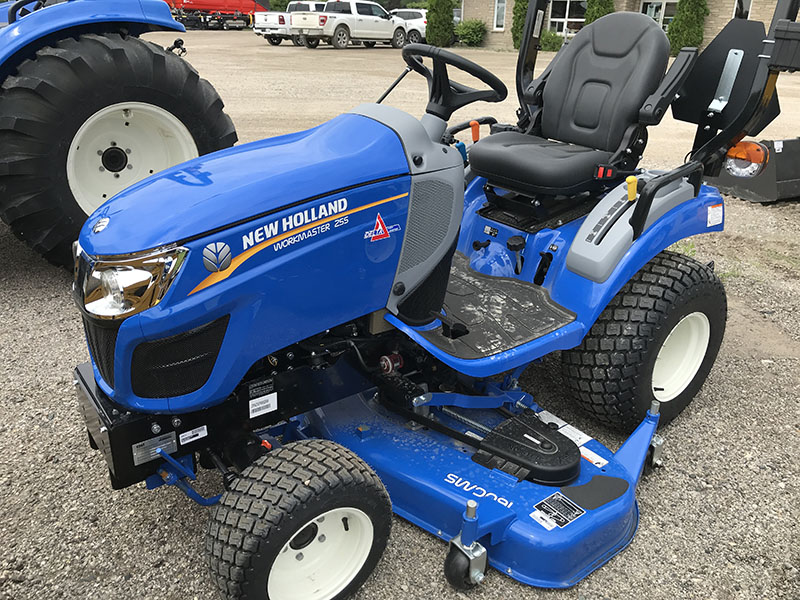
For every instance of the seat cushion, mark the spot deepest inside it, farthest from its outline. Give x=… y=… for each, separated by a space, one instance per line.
x=529 y=164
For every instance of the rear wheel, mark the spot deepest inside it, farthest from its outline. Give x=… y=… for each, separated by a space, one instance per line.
x=657 y=340
x=297 y=40
x=399 y=38
x=341 y=37
x=274 y=40
x=310 y=42
x=88 y=117
x=308 y=521
x=414 y=37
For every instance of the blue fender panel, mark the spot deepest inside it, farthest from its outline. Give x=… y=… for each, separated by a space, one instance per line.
x=152 y=14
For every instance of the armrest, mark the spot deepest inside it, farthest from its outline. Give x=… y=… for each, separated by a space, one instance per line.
x=656 y=104
x=693 y=171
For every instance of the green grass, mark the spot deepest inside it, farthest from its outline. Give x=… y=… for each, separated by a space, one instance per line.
x=686 y=247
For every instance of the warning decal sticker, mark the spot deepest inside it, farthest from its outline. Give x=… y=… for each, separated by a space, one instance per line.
x=556 y=511
x=714 y=216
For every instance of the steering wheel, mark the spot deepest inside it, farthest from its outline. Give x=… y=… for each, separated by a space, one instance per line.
x=445 y=95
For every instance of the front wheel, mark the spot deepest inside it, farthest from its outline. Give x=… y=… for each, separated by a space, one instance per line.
x=89 y=116
x=310 y=42
x=656 y=340
x=308 y=521
x=274 y=40
x=297 y=40
x=399 y=38
x=369 y=44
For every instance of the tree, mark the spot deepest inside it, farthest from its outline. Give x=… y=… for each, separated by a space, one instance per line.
x=686 y=28
x=518 y=21
x=278 y=5
x=598 y=8
x=440 y=22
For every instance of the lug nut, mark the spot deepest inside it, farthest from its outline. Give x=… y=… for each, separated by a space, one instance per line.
x=176 y=422
x=155 y=428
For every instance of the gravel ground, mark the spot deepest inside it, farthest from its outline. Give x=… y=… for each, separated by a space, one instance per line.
x=719 y=521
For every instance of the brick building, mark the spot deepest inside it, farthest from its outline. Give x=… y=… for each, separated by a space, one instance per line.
x=566 y=16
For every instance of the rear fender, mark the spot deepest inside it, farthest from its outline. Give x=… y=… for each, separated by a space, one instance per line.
x=588 y=298
x=27 y=34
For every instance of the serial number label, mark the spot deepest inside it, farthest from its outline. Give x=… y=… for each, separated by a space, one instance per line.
x=263 y=405
x=194 y=434
x=146 y=451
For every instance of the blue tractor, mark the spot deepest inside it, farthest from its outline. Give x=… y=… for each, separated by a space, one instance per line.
x=87 y=108
x=337 y=320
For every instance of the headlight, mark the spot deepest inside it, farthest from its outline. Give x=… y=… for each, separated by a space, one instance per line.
x=121 y=286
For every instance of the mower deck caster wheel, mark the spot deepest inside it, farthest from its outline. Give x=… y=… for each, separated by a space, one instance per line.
x=460 y=571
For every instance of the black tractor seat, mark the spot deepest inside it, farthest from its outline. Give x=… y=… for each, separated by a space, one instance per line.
x=530 y=164
x=587 y=111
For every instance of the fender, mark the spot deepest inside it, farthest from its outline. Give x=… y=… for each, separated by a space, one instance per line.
x=29 y=33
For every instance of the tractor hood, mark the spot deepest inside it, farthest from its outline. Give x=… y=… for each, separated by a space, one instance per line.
x=235 y=185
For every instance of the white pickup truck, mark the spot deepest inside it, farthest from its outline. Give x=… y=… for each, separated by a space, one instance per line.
x=275 y=26
x=344 y=21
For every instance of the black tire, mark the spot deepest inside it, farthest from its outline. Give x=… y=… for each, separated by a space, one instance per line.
x=456 y=570
x=413 y=37
x=279 y=498
x=398 y=38
x=341 y=37
x=369 y=44
x=274 y=40
x=297 y=40
x=611 y=373
x=49 y=97
x=311 y=42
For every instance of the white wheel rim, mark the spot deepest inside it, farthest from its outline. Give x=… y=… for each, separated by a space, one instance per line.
x=324 y=567
x=680 y=356
x=151 y=138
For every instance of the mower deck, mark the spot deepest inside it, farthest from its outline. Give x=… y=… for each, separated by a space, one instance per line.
x=546 y=536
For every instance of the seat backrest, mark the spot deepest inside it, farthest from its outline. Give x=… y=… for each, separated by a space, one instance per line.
x=601 y=79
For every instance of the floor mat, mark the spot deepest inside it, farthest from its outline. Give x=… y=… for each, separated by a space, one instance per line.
x=500 y=313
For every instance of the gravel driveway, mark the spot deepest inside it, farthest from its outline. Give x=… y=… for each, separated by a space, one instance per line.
x=719 y=521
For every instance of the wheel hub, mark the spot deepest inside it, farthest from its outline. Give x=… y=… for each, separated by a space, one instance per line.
x=114 y=159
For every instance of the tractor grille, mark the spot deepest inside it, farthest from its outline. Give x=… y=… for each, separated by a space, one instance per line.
x=102 y=339
x=428 y=221
x=179 y=364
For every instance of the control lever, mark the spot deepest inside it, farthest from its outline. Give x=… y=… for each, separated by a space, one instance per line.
x=516 y=244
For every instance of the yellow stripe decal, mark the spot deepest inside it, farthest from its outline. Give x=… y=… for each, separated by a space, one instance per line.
x=253 y=250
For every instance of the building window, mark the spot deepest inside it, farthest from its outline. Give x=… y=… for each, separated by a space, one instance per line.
x=663 y=11
x=499 y=15
x=567 y=16
x=741 y=9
